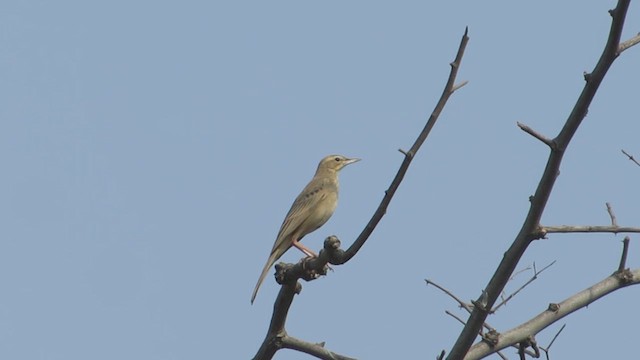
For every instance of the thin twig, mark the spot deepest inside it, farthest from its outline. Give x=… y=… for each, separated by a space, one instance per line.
x=629 y=43
x=532 y=279
x=458 y=86
x=535 y=134
x=556 y=336
x=468 y=308
x=546 y=350
x=454 y=316
x=631 y=157
x=451 y=295
x=519 y=272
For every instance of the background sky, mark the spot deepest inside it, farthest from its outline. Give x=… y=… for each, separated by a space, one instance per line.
x=151 y=149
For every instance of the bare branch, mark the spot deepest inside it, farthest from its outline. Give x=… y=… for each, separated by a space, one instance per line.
x=556 y=312
x=276 y=331
x=629 y=43
x=563 y=229
x=409 y=155
x=511 y=278
x=532 y=279
x=546 y=351
x=491 y=329
x=460 y=302
x=454 y=316
x=458 y=86
x=316 y=350
x=631 y=157
x=287 y=275
x=530 y=227
x=614 y=222
x=536 y=134
x=625 y=251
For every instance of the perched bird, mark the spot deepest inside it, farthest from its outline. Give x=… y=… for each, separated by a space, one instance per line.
x=310 y=210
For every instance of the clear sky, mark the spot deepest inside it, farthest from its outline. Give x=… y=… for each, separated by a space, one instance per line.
x=151 y=149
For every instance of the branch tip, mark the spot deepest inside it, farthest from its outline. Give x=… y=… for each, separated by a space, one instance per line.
x=537 y=135
x=614 y=222
x=458 y=86
x=631 y=157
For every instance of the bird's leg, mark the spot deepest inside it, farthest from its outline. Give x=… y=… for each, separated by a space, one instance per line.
x=307 y=251
x=304 y=249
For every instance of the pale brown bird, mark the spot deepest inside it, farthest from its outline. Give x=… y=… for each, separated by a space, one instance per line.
x=310 y=210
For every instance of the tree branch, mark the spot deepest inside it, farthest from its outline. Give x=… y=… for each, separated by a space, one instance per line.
x=556 y=312
x=535 y=134
x=461 y=303
x=287 y=274
x=409 y=155
x=545 y=186
x=316 y=350
x=588 y=229
x=629 y=43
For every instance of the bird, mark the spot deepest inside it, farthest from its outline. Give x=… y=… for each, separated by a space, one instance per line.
x=309 y=211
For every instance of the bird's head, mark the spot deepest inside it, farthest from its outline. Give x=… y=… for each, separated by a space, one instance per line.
x=335 y=162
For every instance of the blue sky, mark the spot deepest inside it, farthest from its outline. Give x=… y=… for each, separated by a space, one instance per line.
x=150 y=151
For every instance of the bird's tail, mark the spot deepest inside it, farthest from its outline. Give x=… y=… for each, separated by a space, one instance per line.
x=272 y=259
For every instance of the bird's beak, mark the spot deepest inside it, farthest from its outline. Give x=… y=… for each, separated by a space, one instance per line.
x=351 y=161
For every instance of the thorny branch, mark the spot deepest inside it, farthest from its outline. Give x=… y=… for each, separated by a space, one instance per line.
x=468 y=308
x=555 y=312
x=524 y=333
x=530 y=228
x=332 y=253
x=449 y=89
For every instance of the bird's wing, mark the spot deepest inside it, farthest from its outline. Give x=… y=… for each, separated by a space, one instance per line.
x=302 y=206
x=301 y=209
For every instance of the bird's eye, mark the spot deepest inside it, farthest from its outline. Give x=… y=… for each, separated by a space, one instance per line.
x=337 y=159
